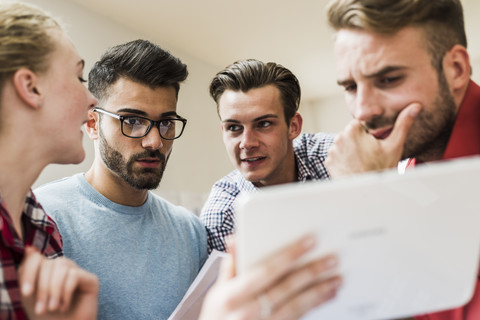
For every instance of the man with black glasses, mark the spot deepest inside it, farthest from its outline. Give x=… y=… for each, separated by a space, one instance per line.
x=110 y=223
x=145 y=251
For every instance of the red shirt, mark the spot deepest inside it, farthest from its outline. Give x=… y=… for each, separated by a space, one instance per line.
x=40 y=231
x=464 y=141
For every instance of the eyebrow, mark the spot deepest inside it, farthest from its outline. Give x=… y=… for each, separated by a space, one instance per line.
x=266 y=116
x=144 y=114
x=376 y=74
x=81 y=63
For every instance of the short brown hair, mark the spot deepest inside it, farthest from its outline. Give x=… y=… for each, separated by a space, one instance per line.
x=244 y=75
x=441 y=20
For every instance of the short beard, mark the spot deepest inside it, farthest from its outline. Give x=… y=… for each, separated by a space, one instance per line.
x=430 y=141
x=145 y=178
x=429 y=135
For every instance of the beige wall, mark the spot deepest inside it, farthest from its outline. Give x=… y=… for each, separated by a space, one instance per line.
x=199 y=158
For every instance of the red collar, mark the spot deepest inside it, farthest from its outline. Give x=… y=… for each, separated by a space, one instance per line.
x=465 y=137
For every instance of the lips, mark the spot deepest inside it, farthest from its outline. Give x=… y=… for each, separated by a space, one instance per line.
x=252 y=161
x=380 y=133
x=149 y=162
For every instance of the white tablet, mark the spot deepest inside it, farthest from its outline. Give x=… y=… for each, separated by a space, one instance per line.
x=408 y=244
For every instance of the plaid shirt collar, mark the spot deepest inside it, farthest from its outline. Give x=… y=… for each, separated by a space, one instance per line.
x=32 y=211
x=303 y=170
x=244 y=184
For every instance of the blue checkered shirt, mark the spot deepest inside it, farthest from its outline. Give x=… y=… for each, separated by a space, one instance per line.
x=218 y=212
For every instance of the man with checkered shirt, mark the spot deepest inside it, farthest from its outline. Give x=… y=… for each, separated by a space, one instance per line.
x=257 y=104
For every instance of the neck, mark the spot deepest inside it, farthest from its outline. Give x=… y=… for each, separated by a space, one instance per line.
x=19 y=168
x=113 y=187
x=25 y=151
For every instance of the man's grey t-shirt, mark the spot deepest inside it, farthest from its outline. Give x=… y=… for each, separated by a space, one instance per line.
x=145 y=257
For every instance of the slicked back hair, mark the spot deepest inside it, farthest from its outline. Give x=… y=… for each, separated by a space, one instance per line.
x=244 y=75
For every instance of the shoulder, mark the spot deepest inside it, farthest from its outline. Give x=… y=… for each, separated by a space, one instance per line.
x=64 y=199
x=185 y=225
x=313 y=142
x=225 y=191
x=311 y=150
x=56 y=193
x=63 y=185
x=233 y=183
x=177 y=215
x=219 y=209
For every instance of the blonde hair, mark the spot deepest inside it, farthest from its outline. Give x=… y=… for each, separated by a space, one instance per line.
x=25 y=38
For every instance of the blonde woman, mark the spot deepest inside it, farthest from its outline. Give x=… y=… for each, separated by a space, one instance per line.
x=43 y=103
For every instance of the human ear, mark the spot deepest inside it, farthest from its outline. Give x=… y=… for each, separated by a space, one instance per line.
x=25 y=82
x=456 y=64
x=92 y=125
x=295 y=127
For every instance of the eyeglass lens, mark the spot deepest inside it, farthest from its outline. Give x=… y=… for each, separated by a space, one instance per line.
x=138 y=127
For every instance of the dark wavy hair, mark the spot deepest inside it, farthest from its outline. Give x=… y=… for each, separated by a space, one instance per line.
x=140 y=61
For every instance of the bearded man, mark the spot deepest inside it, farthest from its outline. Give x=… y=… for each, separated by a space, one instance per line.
x=111 y=224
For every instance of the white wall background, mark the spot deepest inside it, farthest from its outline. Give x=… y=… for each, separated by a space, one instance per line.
x=199 y=158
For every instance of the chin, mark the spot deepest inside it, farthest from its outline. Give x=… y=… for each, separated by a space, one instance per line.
x=253 y=178
x=73 y=158
x=80 y=157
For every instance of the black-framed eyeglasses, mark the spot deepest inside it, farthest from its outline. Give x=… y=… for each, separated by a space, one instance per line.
x=139 y=127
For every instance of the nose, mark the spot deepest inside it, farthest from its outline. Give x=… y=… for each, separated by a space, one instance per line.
x=152 y=140
x=249 y=139
x=367 y=104
x=92 y=101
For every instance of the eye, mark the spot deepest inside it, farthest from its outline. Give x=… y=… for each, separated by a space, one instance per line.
x=166 y=123
x=234 y=127
x=350 y=88
x=82 y=80
x=264 y=124
x=133 y=121
x=389 y=80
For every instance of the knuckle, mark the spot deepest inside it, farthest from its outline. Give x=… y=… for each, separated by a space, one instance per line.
x=243 y=316
x=74 y=273
x=338 y=138
x=350 y=129
x=297 y=308
x=332 y=152
x=229 y=302
x=325 y=290
x=95 y=279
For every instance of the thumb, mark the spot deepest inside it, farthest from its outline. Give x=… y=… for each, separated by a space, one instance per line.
x=402 y=126
x=29 y=252
x=227 y=269
x=29 y=269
